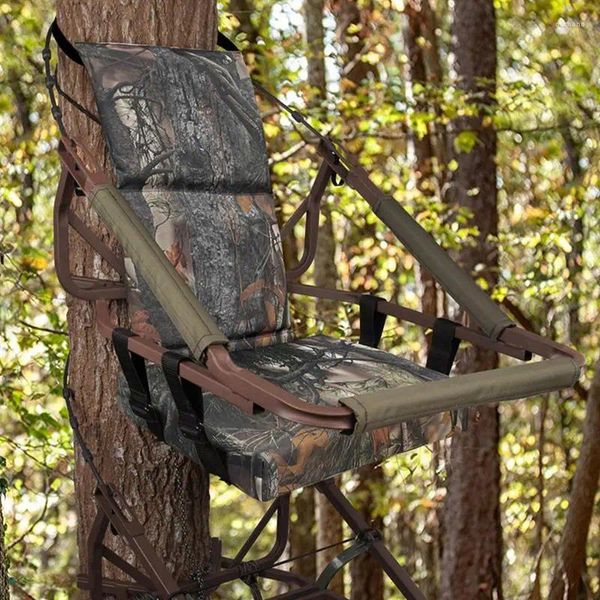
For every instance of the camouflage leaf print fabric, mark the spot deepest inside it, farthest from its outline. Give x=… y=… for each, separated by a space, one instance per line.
x=268 y=456
x=186 y=142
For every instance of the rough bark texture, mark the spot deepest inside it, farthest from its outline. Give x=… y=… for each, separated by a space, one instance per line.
x=472 y=553
x=3 y=559
x=302 y=534
x=567 y=580
x=168 y=493
x=367 y=576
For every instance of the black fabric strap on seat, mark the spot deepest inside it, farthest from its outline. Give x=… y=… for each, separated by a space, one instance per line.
x=190 y=413
x=444 y=346
x=371 y=321
x=65 y=45
x=134 y=369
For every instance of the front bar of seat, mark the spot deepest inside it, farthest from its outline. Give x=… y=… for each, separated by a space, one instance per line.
x=196 y=326
x=394 y=405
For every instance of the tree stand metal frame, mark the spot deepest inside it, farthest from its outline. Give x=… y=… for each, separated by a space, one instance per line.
x=214 y=371
x=152 y=576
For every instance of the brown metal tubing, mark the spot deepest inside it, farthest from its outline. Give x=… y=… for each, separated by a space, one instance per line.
x=86 y=179
x=378 y=550
x=312 y=221
x=127 y=568
x=86 y=288
x=541 y=346
x=413 y=316
x=97 y=244
x=235 y=571
x=133 y=533
x=309 y=592
x=111 y=587
x=239 y=557
x=422 y=246
x=190 y=371
x=272 y=397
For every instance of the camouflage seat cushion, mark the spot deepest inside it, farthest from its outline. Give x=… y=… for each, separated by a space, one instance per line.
x=267 y=455
x=186 y=142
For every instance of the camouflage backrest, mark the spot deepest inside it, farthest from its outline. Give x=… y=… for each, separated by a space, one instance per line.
x=186 y=142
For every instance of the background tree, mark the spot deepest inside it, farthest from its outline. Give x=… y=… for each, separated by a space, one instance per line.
x=567 y=582
x=472 y=547
x=3 y=558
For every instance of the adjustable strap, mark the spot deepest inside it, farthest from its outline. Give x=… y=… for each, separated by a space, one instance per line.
x=190 y=413
x=444 y=346
x=363 y=542
x=371 y=321
x=134 y=369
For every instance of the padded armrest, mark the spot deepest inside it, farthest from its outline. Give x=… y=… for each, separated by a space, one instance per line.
x=453 y=278
x=195 y=325
x=394 y=405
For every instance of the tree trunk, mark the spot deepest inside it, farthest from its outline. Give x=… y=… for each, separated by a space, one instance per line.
x=3 y=558
x=367 y=576
x=169 y=494
x=567 y=580
x=472 y=552
x=302 y=534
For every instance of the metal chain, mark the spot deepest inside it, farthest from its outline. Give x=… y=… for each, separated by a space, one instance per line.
x=198 y=571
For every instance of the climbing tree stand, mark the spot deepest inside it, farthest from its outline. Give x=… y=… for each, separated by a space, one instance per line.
x=224 y=407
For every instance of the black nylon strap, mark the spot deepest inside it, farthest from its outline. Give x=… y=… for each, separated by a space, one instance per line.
x=444 y=346
x=64 y=44
x=224 y=42
x=190 y=413
x=134 y=369
x=371 y=321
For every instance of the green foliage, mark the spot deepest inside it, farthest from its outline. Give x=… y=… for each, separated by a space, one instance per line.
x=548 y=118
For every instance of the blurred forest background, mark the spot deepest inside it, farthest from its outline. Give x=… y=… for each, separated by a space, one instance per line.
x=387 y=78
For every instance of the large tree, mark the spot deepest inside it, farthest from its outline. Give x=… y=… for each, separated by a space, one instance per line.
x=472 y=551
x=169 y=494
x=3 y=557
x=567 y=583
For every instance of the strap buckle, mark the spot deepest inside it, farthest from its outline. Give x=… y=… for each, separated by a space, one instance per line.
x=190 y=426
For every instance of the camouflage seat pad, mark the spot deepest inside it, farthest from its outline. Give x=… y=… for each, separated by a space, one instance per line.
x=267 y=455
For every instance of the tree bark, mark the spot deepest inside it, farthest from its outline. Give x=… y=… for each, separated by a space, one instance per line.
x=302 y=534
x=4 y=595
x=367 y=576
x=567 y=580
x=168 y=493
x=472 y=552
